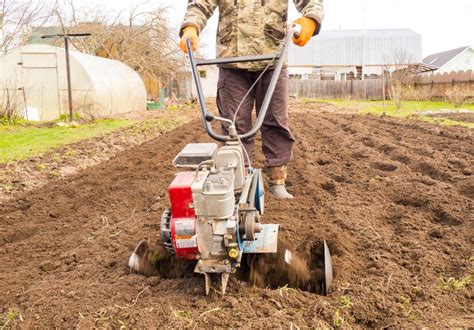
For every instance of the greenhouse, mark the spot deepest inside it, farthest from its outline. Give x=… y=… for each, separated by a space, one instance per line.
x=34 y=79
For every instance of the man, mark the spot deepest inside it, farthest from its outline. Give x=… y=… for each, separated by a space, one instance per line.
x=254 y=27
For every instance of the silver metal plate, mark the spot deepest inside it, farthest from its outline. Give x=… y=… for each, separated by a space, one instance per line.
x=266 y=241
x=194 y=154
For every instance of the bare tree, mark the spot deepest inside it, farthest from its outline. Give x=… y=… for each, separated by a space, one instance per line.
x=401 y=77
x=12 y=100
x=140 y=37
x=17 y=17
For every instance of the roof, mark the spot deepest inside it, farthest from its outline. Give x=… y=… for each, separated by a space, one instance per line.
x=417 y=68
x=440 y=59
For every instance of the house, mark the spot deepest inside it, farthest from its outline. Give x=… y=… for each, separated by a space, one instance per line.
x=353 y=54
x=454 y=60
x=209 y=76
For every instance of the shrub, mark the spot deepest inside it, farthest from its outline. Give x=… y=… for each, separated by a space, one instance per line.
x=456 y=95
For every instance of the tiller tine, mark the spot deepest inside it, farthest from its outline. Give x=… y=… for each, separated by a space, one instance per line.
x=224 y=280
x=327 y=270
x=145 y=258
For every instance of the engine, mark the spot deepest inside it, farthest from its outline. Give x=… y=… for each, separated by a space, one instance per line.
x=215 y=209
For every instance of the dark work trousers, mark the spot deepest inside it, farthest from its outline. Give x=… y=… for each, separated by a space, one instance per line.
x=277 y=140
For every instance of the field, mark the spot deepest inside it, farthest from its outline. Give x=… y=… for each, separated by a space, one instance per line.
x=392 y=196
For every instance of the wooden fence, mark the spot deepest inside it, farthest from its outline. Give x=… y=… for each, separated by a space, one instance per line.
x=430 y=87
x=370 y=89
x=436 y=85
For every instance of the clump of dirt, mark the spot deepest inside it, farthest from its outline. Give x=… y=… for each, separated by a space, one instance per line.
x=288 y=267
x=393 y=199
x=153 y=259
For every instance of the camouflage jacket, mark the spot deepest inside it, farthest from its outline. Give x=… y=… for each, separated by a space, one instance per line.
x=249 y=27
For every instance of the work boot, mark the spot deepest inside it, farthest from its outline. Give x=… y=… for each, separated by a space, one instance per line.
x=277 y=177
x=280 y=192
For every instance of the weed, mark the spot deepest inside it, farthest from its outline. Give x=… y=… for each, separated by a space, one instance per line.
x=5 y=121
x=471 y=260
x=65 y=116
x=404 y=300
x=337 y=319
x=407 y=308
x=346 y=302
x=417 y=290
x=9 y=317
x=285 y=289
x=71 y=154
x=180 y=314
x=452 y=283
x=41 y=167
x=56 y=158
x=101 y=315
x=6 y=187
x=54 y=174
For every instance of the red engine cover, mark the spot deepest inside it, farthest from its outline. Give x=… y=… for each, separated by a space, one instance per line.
x=183 y=218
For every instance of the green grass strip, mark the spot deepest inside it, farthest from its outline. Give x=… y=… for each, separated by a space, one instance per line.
x=22 y=141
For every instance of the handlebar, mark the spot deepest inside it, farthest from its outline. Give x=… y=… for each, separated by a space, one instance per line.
x=207 y=116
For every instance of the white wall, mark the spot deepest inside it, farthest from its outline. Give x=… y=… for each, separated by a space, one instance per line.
x=209 y=84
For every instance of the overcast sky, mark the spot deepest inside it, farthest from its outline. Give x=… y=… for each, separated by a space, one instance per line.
x=443 y=24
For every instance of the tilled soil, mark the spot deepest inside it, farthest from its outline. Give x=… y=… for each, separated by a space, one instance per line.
x=34 y=172
x=467 y=117
x=393 y=198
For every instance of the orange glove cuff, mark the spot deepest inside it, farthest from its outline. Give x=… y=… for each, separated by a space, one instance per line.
x=189 y=32
x=308 y=27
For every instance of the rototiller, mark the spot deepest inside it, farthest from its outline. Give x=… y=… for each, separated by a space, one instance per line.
x=217 y=202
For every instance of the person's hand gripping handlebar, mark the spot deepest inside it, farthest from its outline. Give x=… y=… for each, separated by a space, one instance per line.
x=307 y=27
x=191 y=33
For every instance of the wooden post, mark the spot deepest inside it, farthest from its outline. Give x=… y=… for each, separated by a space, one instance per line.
x=68 y=73
x=383 y=90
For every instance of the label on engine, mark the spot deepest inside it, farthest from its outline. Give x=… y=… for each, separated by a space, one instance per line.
x=186 y=243
x=185 y=227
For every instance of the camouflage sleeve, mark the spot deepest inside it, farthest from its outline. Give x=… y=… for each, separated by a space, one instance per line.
x=198 y=13
x=313 y=9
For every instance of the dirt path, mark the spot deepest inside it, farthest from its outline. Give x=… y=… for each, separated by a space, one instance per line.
x=393 y=198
